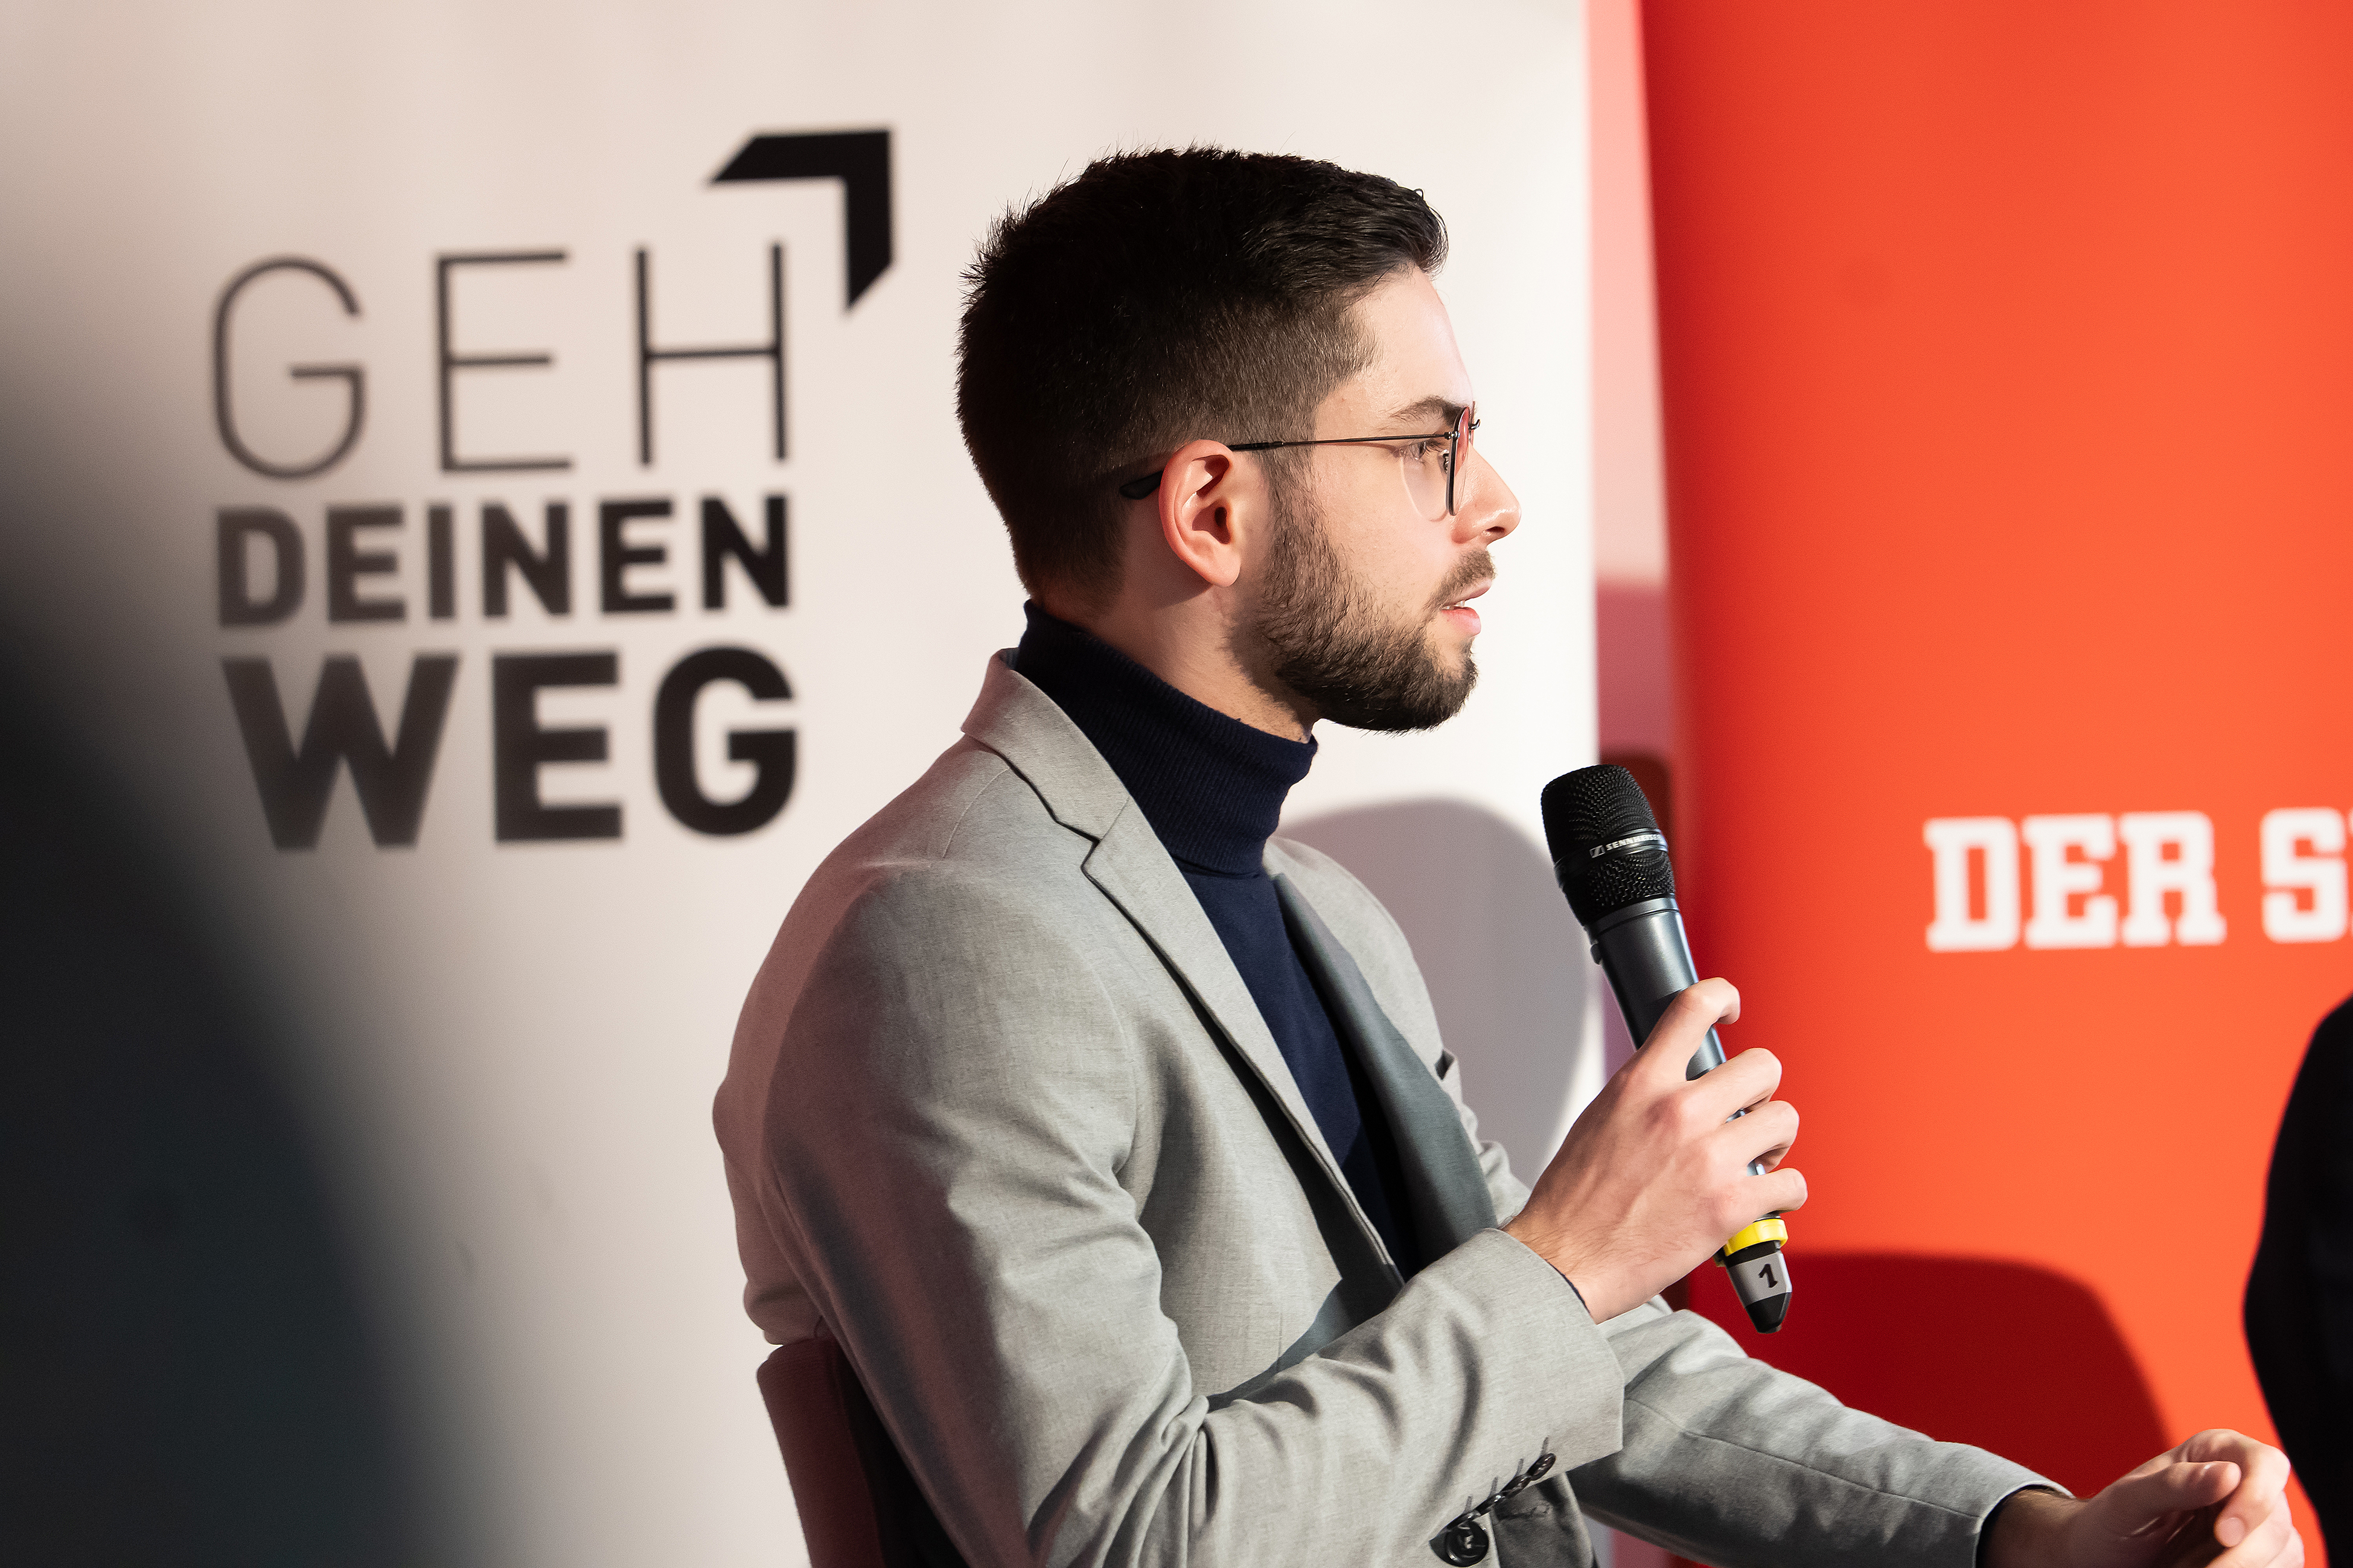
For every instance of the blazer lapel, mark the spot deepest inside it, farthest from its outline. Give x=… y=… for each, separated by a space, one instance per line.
x=1132 y=868
x=1446 y=1192
x=1024 y=726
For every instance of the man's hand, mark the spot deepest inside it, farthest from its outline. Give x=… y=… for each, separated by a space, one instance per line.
x=2219 y=1498
x=1654 y=1175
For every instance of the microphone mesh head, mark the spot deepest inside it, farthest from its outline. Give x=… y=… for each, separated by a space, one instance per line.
x=1594 y=808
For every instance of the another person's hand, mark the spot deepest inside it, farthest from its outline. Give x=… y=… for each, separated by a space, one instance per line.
x=2220 y=1497
x=1654 y=1175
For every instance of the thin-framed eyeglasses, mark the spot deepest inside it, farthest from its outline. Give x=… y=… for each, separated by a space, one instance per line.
x=1432 y=463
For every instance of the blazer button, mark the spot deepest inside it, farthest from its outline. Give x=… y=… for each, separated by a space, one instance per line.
x=1541 y=1469
x=1462 y=1543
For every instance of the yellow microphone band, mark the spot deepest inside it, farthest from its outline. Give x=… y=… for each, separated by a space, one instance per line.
x=1767 y=1229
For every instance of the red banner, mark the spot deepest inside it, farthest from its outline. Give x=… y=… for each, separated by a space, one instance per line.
x=2007 y=353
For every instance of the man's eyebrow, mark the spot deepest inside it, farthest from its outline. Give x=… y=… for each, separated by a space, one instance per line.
x=1431 y=408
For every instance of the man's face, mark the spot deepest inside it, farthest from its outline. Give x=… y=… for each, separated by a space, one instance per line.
x=1361 y=605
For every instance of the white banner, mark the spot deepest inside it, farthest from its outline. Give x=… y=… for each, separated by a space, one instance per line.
x=350 y=410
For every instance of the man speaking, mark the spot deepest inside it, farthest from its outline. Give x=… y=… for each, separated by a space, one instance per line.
x=1111 y=1139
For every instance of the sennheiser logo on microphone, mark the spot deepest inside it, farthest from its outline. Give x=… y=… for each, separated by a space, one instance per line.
x=1632 y=841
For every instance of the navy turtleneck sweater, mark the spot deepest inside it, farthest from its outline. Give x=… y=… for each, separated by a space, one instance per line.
x=1212 y=787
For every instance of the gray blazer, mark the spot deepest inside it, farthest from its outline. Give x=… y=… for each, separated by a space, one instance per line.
x=1002 y=1117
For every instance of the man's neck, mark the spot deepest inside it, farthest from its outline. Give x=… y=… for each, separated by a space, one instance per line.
x=1190 y=645
x=1212 y=786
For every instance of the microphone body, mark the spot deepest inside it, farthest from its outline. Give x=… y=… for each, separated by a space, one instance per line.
x=1643 y=950
x=1611 y=861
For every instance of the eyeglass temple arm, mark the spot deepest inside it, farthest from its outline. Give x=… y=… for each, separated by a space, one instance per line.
x=1137 y=489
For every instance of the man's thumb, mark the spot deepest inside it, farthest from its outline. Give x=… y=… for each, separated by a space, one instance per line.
x=2137 y=1501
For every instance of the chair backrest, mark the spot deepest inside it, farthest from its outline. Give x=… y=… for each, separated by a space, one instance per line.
x=859 y=1507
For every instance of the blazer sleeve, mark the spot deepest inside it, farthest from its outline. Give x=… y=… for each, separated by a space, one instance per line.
x=1728 y=1460
x=944 y=1140
x=1731 y=1461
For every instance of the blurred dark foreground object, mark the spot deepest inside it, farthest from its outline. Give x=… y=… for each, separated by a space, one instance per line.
x=2299 y=1311
x=189 y=1376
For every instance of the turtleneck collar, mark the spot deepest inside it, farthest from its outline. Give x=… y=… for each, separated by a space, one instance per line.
x=1212 y=786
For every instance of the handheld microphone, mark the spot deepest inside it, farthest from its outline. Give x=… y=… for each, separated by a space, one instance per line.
x=1611 y=861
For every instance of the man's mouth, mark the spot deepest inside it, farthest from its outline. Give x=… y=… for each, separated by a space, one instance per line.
x=1477 y=590
x=1459 y=611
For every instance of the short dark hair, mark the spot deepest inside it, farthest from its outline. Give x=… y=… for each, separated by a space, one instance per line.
x=1157 y=299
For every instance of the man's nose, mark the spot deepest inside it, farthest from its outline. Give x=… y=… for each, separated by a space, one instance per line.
x=1492 y=511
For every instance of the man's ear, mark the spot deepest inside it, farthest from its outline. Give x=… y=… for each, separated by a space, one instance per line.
x=1207 y=500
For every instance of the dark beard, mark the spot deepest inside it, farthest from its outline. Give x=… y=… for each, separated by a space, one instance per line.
x=1321 y=636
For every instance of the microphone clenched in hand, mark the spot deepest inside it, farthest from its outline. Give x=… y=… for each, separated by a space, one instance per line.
x=1612 y=861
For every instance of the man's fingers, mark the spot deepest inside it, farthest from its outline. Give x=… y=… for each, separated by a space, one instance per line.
x=2230 y=1488
x=1696 y=1010
x=1744 y=1083
x=2259 y=1480
x=1779 y=1192
x=1765 y=1133
x=1657 y=1069
x=2273 y=1543
x=2176 y=1487
x=1716 y=998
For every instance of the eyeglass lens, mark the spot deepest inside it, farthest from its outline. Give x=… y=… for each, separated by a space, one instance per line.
x=1465 y=424
x=1431 y=466
x=1434 y=470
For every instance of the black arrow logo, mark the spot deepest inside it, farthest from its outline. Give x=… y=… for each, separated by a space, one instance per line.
x=860 y=160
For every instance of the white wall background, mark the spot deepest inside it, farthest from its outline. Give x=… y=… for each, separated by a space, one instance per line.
x=511 y=1048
